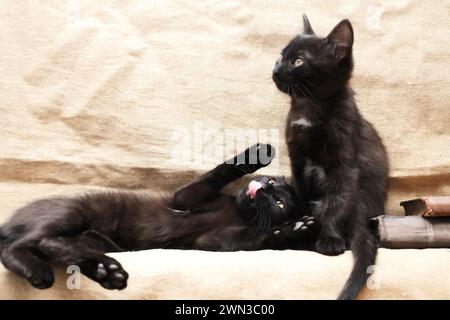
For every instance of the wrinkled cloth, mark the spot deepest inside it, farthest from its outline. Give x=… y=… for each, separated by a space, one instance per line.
x=135 y=95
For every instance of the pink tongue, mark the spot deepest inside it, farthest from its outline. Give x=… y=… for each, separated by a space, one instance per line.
x=253 y=186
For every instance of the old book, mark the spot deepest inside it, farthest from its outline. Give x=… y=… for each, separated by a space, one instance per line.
x=427 y=207
x=412 y=232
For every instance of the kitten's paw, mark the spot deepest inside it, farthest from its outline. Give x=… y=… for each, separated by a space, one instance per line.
x=306 y=225
x=257 y=156
x=330 y=246
x=42 y=279
x=109 y=273
x=265 y=153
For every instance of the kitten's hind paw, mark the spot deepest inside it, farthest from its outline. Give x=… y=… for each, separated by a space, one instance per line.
x=112 y=276
x=42 y=279
x=109 y=273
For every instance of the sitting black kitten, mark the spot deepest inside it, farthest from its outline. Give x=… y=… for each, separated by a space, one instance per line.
x=328 y=137
x=80 y=230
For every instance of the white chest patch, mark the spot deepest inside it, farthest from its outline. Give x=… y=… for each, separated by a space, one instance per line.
x=302 y=122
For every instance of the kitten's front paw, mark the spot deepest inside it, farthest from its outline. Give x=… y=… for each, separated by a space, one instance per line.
x=306 y=225
x=330 y=246
x=257 y=156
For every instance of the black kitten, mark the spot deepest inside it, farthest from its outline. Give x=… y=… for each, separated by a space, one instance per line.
x=327 y=137
x=80 y=230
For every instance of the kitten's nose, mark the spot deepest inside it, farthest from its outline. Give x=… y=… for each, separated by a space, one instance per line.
x=276 y=71
x=276 y=68
x=275 y=74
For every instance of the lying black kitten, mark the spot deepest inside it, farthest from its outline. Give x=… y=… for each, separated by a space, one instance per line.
x=328 y=137
x=79 y=230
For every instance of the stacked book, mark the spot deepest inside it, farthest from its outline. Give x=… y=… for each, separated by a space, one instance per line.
x=426 y=224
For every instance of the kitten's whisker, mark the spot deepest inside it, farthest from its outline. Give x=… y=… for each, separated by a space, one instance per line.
x=269 y=220
x=308 y=93
x=261 y=219
x=256 y=217
x=293 y=91
x=266 y=223
x=263 y=226
x=298 y=89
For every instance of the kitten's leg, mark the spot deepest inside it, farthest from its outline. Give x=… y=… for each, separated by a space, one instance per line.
x=300 y=234
x=209 y=184
x=87 y=253
x=21 y=259
x=39 y=219
x=341 y=188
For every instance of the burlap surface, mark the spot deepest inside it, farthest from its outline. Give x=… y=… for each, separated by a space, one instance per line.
x=102 y=93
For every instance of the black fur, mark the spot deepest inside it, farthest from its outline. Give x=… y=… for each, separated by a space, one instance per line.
x=80 y=230
x=327 y=135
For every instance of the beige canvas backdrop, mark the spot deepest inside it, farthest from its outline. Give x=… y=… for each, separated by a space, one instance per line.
x=102 y=93
x=97 y=92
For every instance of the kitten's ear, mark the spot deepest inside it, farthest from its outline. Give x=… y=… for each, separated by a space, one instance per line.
x=307 y=29
x=340 y=40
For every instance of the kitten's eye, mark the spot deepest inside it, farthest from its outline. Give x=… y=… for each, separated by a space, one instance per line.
x=298 y=62
x=271 y=181
x=280 y=204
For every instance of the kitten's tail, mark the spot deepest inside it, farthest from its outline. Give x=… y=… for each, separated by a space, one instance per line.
x=364 y=249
